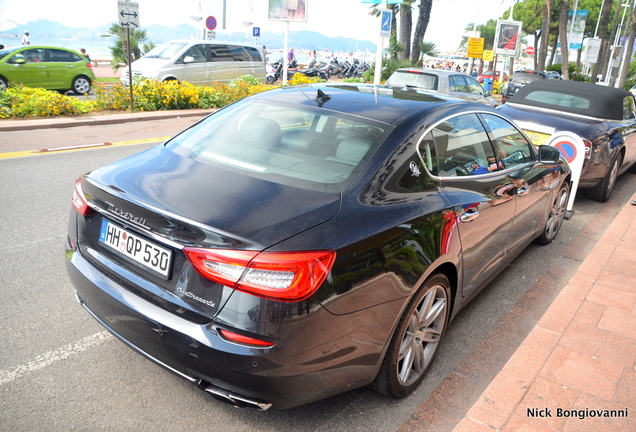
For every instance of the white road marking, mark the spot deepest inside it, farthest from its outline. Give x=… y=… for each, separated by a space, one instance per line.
x=50 y=357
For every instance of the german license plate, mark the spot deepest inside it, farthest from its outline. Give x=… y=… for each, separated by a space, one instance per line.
x=146 y=254
x=537 y=138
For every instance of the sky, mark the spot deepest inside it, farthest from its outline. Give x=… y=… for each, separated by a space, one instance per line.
x=347 y=18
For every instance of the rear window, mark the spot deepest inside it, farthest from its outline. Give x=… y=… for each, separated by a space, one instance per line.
x=303 y=147
x=526 y=76
x=558 y=99
x=414 y=79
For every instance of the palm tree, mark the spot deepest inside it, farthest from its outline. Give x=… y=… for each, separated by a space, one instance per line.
x=423 y=17
x=120 y=50
x=563 y=34
x=546 y=13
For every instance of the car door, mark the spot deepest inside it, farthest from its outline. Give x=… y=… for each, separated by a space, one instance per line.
x=532 y=180
x=628 y=130
x=28 y=68
x=63 y=67
x=193 y=64
x=480 y=192
x=221 y=63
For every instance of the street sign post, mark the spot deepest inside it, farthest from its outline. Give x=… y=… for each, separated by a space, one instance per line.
x=210 y=23
x=475 y=47
x=128 y=14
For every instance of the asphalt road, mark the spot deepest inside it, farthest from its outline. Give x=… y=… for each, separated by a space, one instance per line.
x=61 y=371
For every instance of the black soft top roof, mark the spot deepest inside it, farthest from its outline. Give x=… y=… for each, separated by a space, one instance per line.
x=574 y=97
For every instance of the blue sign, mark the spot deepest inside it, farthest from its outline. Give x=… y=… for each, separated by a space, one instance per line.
x=385 y=24
x=210 y=23
x=256 y=31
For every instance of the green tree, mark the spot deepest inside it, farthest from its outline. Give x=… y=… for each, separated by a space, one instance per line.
x=120 y=49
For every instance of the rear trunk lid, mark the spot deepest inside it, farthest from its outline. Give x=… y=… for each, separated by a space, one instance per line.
x=151 y=205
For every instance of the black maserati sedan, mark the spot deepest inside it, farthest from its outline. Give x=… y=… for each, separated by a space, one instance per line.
x=309 y=240
x=602 y=118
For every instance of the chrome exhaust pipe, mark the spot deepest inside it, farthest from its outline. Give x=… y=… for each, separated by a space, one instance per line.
x=236 y=400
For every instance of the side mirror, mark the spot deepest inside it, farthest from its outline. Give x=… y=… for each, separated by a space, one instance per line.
x=548 y=154
x=188 y=59
x=20 y=61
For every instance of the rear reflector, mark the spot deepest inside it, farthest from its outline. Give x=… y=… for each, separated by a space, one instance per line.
x=283 y=276
x=244 y=340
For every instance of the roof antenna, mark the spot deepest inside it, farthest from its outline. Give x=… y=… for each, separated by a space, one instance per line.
x=321 y=98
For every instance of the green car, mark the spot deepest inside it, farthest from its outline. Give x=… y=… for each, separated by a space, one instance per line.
x=47 y=67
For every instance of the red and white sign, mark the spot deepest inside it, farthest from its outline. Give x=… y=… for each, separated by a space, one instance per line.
x=530 y=50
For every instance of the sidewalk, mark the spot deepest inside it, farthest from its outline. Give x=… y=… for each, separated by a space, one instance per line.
x=576 y=369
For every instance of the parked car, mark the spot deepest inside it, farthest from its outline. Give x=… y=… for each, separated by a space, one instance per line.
x=449 y=83
x=309 y=240
x=47 y=67
x=492 y=75
x=199 y=62
x=521 y=78
x=603 y=117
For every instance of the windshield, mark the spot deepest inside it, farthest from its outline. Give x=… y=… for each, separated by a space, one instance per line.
x=165 y=50
x=6 y=51
x=305 y=147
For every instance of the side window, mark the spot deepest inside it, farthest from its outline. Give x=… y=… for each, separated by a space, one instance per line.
x=473 y=86
x=220 y=53
x=61 y=56
x=197 y=52
x=628 y=108
x=510 y=145
x=463 y=147
x=457 y=83
x=238 y=53
x=254 y=54
x=34 y=55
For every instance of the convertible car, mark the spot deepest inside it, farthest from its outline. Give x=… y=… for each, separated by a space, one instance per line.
x=602 y=117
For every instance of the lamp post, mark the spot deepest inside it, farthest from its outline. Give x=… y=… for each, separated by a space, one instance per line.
x=608 y=76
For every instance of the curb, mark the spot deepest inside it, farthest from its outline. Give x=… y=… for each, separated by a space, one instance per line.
x=22 y=125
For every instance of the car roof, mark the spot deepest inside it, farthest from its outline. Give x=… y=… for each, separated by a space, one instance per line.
x=603 y=102
x=439 y=72
x=383 y=104
x=211 y=42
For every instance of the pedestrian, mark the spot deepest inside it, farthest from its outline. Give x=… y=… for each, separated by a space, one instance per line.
x=85 y=54
x=25 y=38
x=291 y=56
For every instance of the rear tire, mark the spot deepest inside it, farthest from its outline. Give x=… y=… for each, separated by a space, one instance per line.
x=603 y=190
x=556 y=215
x=416 y=340
x=81 y=85
x=3 y=84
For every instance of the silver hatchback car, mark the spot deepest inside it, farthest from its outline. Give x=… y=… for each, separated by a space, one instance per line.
x=456 y=84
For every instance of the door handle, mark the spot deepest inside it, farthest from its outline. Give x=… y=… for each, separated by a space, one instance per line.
x=469 y=215
x=523 y=191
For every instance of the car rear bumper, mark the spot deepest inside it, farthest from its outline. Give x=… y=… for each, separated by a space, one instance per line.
x=244 y=375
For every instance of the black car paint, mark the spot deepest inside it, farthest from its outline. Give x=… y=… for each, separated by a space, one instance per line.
x=388 y=240
x=608 y=138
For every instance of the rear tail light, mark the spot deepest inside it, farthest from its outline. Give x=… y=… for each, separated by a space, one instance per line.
x=588 y=148
x=284 y=276
x=79 y=200
x=89 y=65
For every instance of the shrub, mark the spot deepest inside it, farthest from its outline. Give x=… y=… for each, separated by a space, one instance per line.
x=19 y=101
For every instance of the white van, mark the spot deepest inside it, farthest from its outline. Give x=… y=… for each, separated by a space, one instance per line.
x=199 y=62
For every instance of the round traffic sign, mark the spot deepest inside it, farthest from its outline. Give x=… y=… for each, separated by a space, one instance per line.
x=210 y=23
x=530 y=50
